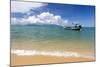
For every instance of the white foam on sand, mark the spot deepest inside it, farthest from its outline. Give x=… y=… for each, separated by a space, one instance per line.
x=47 y=53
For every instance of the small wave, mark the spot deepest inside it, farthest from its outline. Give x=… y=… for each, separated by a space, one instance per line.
x=47 y=53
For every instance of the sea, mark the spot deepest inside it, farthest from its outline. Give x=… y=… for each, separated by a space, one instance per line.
x=52 y=40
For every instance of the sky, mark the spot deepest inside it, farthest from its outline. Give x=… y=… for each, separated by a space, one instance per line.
x=51 y=13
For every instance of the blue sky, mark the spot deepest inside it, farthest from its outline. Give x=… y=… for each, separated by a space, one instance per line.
x=84 y=15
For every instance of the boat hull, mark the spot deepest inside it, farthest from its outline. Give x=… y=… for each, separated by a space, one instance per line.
x=76 y=29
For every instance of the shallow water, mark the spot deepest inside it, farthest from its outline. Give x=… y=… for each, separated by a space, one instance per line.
x=51 y=38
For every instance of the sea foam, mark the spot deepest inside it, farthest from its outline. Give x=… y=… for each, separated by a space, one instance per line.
x=48 y=53
x=45 y=53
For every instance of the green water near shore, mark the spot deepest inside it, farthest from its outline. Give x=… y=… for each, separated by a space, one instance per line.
x=51 y=37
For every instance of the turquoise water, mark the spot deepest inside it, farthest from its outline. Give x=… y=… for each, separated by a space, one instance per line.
x=51 y=37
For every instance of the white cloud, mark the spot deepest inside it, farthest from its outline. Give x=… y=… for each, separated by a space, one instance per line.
x=43 y=18
x=22 y=7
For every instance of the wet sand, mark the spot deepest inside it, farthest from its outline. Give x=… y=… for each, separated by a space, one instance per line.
x=29 y=60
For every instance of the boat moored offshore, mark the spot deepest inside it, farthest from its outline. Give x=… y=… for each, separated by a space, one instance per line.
x=76 y=27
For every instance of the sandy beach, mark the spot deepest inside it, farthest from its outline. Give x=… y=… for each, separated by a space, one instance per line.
x=29 y=60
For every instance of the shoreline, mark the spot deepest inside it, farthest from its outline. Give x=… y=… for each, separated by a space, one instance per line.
x=45 y=59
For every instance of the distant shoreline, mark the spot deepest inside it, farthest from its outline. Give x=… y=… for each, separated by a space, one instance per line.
x=46 y=25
